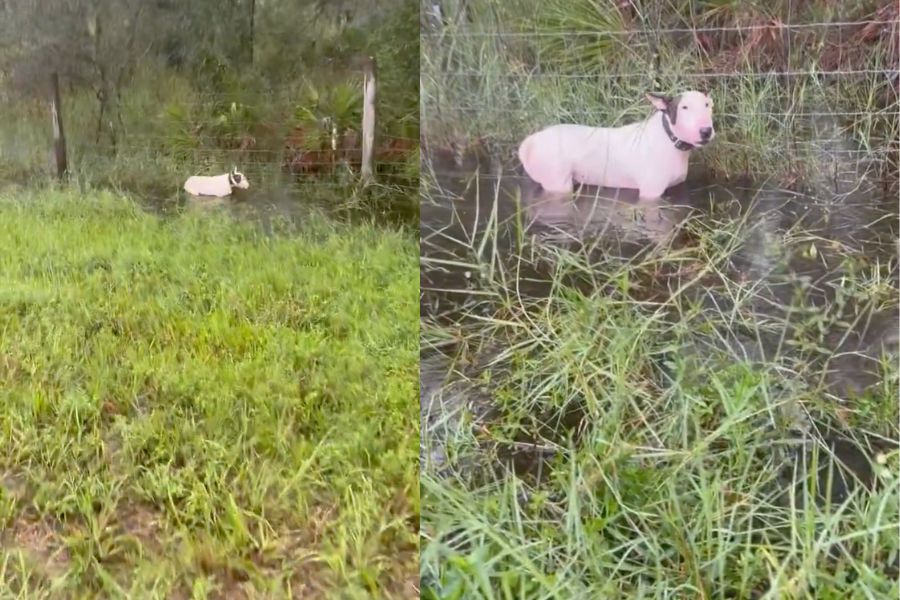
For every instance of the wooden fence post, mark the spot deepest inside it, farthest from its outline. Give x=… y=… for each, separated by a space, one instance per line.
x=59 y=136
x=366 y=170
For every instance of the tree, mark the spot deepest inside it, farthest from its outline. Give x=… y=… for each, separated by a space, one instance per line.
x=88 y=42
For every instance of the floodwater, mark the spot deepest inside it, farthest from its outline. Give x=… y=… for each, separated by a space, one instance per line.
x=275 y=203
x=484 y=204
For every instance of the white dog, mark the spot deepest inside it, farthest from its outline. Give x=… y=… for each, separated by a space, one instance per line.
x=649 y=156
x=218 y=186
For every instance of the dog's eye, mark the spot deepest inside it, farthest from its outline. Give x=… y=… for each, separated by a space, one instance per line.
x=237 y=178
x=707 y=105
x=684 y=108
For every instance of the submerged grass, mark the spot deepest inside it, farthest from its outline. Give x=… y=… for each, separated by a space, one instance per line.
x=637 y=433
x=664 y=424
x=191 y=408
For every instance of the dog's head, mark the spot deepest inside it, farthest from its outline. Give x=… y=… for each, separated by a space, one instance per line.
x=237 y=179
x=689 y=115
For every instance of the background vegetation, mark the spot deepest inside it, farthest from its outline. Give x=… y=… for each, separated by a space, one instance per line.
x=495 y=71
x=155 y=91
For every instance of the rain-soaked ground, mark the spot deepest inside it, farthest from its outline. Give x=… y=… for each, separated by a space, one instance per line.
x=487 y=204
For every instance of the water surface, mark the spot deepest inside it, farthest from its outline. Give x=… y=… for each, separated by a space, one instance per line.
x=796 y=251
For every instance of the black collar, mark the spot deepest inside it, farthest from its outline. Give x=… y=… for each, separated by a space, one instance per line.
x=679 y=144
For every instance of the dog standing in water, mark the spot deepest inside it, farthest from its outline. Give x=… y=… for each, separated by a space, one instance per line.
x=650 y=156
x=218 y=186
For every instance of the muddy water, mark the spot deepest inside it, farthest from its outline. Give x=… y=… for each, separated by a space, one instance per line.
x=275 y=204
x=492 y=207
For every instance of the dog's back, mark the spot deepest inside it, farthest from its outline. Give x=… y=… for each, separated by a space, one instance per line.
x=199 y=185
x=556 y=154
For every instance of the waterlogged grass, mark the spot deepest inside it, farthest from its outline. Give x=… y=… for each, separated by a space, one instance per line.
x=192 y=409
x=643 y=426
x=504 y=70
x=625 y=437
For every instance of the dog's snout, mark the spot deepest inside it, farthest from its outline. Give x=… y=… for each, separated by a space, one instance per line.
x=705 y=133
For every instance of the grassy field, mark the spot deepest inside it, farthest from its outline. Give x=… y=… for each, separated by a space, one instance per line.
x=626 y=436
x=192 y=409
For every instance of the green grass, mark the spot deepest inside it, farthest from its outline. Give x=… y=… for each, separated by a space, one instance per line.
x=675 y=480
x=192 y=409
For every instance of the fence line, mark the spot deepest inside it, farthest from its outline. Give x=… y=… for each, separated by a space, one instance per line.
x=880 y=112
x=489 y=175
x=645 y=75
x=383 y=136
x=211 y=121
x=814 y=144
x=250 y=151
x=285 y=94
x=653 y=32
x=162 y=138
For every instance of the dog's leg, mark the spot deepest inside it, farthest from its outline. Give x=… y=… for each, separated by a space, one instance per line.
x=651 y=215
x=651 y=191
x=558 y=185
x=553 y=178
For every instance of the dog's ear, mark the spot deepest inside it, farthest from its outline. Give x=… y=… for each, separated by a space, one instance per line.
x=659 y=101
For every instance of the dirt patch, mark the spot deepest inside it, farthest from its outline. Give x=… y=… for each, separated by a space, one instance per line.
x=143 y=523
x=292 y=560
x=15 y=486
x=232 y=590
x=10 y=367
x=41 y=542
x=309 y=578
x=411 y=587
x=404 y=583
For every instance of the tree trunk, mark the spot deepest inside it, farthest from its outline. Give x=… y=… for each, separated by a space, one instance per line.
x=59 y=136
x=251 y=42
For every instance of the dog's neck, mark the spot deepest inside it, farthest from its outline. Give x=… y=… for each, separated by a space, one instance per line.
x=679 y=144
x=231 y=181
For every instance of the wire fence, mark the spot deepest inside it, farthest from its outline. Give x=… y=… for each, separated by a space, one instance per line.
x=779 y=26
x=273 y=140
x=709 y=75
x=781 y=87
